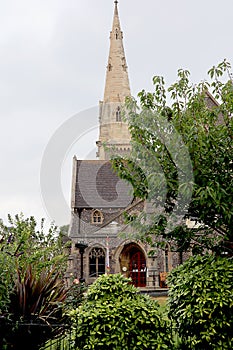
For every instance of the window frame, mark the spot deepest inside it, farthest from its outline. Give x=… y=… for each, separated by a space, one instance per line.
x=97 y=262
x=97 y=217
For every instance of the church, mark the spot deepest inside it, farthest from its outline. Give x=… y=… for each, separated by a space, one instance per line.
x=101 y=241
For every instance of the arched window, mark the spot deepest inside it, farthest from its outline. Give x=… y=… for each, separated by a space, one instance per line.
x=118 y=114
x=96 y=262
x=97 y=217
x=116 y=33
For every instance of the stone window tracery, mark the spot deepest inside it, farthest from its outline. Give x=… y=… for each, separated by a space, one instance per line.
x=96 y=262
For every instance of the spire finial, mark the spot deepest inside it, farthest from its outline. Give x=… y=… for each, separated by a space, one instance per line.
x=116 y=2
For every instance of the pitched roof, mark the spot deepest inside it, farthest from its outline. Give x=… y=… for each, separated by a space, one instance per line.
x=96 y=185
x=211 y=102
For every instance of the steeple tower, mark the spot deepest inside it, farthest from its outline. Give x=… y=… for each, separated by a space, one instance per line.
x=117 y=81
x=113 y=131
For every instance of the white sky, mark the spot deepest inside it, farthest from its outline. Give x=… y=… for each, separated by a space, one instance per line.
x=53 y=56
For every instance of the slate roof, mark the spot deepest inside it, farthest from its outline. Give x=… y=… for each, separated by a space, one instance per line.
x=211 y=102
x=97 y=186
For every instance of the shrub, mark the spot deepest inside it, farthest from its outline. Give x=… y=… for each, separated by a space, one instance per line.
x=111 y=286
x=115 y=316
x=35 y=302
x=201 y=302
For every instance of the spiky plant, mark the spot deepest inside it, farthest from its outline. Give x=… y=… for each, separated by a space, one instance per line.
x=35 y=304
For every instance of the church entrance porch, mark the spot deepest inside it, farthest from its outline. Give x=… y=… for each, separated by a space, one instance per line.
x=133 y=264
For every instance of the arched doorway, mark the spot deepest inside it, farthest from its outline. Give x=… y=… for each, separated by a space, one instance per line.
x=133 y=264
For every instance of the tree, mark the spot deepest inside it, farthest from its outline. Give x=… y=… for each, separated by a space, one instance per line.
x=181 y=162
x=64 y=230
x=25 y=242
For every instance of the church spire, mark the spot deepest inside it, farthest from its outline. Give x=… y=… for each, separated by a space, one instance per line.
x=117 y=81
x=113 y=131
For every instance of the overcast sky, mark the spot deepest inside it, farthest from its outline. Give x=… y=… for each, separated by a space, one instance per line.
x=53 y=56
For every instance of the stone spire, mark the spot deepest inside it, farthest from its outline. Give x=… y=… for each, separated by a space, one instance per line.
x=117 y=81
x=113 y=132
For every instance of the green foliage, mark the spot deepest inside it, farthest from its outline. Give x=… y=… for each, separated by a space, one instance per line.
x=64 y=230
x=58 y=343
x=23 y=243
x=201 y=302
x=28 y=244
x=112 y=286
x=6 y=281
x=31 y=279
x=115 y=316
x=75 y=296
x=184 y=152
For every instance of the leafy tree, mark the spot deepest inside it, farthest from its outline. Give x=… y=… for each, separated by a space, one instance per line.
x=201 y=302
x=115 y=315
x=64 y=231
x=181 y=161
x=27 y=243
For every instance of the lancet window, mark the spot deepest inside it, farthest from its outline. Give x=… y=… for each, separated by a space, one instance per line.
x=118 y=114
x=96 y=262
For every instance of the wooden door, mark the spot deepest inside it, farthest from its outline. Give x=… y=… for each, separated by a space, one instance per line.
x=138 y=269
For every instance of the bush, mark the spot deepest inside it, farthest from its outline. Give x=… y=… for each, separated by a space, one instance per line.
x=201 y=302
x=109 y=287
x=115 y=316
x=35 y=302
